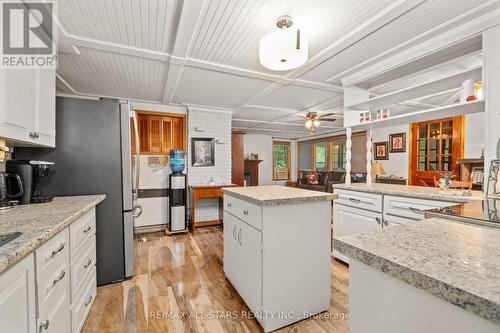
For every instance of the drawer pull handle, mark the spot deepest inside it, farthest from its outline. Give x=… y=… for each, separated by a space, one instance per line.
x=59 y=278
x=89 y=300
x=239 y=236
x=354 y=200
x=245 y=211
x=87 y=229
x=44 y=325
x=59 y=249
x=385 y=222
x=378 y=220
x=416 y=210
x=234 y=232
x=87 y=264
x=229 y=204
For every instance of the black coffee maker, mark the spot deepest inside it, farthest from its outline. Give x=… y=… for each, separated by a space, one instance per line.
x=34 y=174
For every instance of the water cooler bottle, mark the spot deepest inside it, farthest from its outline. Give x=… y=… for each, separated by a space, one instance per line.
x=177 y=193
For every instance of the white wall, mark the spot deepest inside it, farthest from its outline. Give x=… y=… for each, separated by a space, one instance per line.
x=397 y=164
x=208 y=123
x=474 y=135
x=263 y=145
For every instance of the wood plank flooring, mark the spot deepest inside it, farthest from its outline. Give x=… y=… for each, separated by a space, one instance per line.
x=179 y=286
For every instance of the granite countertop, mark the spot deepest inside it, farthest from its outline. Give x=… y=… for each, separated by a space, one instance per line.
x=275 y=195
x=486 y=212
x=39 y=223
x=456 y=262
x=421 y=192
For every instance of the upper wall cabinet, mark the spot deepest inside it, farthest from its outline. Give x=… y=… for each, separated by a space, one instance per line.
x=158 y=134
x=27 y=106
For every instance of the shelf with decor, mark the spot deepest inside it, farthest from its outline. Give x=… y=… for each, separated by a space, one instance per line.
x=441 y=84
x=425 y=114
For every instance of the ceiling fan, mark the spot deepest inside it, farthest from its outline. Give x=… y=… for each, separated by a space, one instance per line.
x=312 y=119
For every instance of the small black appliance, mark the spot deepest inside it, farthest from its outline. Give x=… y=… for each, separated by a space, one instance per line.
x=35 y=175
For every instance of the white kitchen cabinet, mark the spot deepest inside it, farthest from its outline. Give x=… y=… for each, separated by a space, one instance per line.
x=391 y=220
x=411 y=208
x=349 y=220
x=17 y=298
x=27 y=106
x=277 y=258
x=244 y=264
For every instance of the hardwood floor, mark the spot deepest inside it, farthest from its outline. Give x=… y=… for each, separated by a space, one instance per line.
x=179 y=286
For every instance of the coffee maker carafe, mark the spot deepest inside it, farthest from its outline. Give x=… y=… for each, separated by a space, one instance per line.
x=33 y=174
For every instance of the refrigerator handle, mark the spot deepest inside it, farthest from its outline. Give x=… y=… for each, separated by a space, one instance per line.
x=137 y=168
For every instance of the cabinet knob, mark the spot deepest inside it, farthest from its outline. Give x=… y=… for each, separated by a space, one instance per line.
x=245 y=211
x=385 y=222
x=229 y=204
x=378 y=220
x=44 y=325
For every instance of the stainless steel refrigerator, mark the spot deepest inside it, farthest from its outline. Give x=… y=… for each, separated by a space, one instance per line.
x=93 y=156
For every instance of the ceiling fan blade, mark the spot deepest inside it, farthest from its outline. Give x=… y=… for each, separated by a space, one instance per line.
x=327 y=119
x=336 y=115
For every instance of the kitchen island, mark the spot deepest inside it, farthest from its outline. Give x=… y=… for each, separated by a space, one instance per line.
x=277 y=251
x=368 y=208
x=429 y=276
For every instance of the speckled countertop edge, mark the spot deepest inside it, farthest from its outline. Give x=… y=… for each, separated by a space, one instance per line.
x=395 y=192
x=464 y=299
x=278 y=202
x=15 y=251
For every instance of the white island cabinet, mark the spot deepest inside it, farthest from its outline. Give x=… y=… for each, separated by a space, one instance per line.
x=277 y=251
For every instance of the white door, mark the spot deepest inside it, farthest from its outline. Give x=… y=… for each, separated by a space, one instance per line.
x=349 y=220
x=18 y=91
x=17 y=298
x=248 y=275
x=231 y=246
x=46 y=108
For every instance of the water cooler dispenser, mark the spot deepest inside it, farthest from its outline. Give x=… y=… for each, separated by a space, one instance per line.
x=177 y=193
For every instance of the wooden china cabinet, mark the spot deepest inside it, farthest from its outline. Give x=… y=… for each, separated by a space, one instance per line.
x=160 y=132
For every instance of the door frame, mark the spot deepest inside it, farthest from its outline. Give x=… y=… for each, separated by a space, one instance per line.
x=456 y=152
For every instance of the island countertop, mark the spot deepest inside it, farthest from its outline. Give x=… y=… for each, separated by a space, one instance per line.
x=274 y=195
x=420 y=192
x=38 y=223
x=453 y=261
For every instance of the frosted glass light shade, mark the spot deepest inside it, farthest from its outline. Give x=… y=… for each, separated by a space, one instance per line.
x=283 y=50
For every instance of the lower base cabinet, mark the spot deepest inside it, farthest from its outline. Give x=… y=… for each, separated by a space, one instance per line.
x=53 y=289
x=17 y=297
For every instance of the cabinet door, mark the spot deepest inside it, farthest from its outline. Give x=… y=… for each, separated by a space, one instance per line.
x=17 y=298
x=18 y=91
x=177 y=133
x=166 y=135
x=46 y=109
x=349 y=220
x=390 y=221
x=155 y=129
x=58 y=318
x=231 y=246
x=248 y=275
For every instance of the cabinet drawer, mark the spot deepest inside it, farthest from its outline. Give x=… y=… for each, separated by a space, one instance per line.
x=360 y=200
x=410 y=207
x=50 y=255
x=81 y=265
x=247 y=212
x=81 y=229
x=81 y=305
x=51 y=288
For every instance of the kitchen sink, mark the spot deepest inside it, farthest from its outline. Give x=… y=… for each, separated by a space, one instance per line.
x=7 y=238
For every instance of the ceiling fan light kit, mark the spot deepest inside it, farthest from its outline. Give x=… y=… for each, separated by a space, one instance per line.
x=285 y=48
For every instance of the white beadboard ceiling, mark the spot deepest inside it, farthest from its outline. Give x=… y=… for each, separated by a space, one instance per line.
x=205 y=52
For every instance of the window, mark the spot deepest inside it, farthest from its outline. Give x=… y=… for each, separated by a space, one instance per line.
x=281 y=160
x=338 y=156
x=320 y=156
x=434 y=146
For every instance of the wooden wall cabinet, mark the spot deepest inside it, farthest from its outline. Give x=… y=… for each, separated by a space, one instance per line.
x=237 y=158
x=158 y=134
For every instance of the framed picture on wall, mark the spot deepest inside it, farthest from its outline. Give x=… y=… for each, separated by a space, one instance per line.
x=380 y=150
x=397 y=143
x=202 y=152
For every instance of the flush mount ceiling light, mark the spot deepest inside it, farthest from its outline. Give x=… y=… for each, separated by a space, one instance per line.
x=283 y=49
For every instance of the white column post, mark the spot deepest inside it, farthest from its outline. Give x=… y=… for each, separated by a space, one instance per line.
x=348 y=154
x=491 y=86
x=369 y=156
